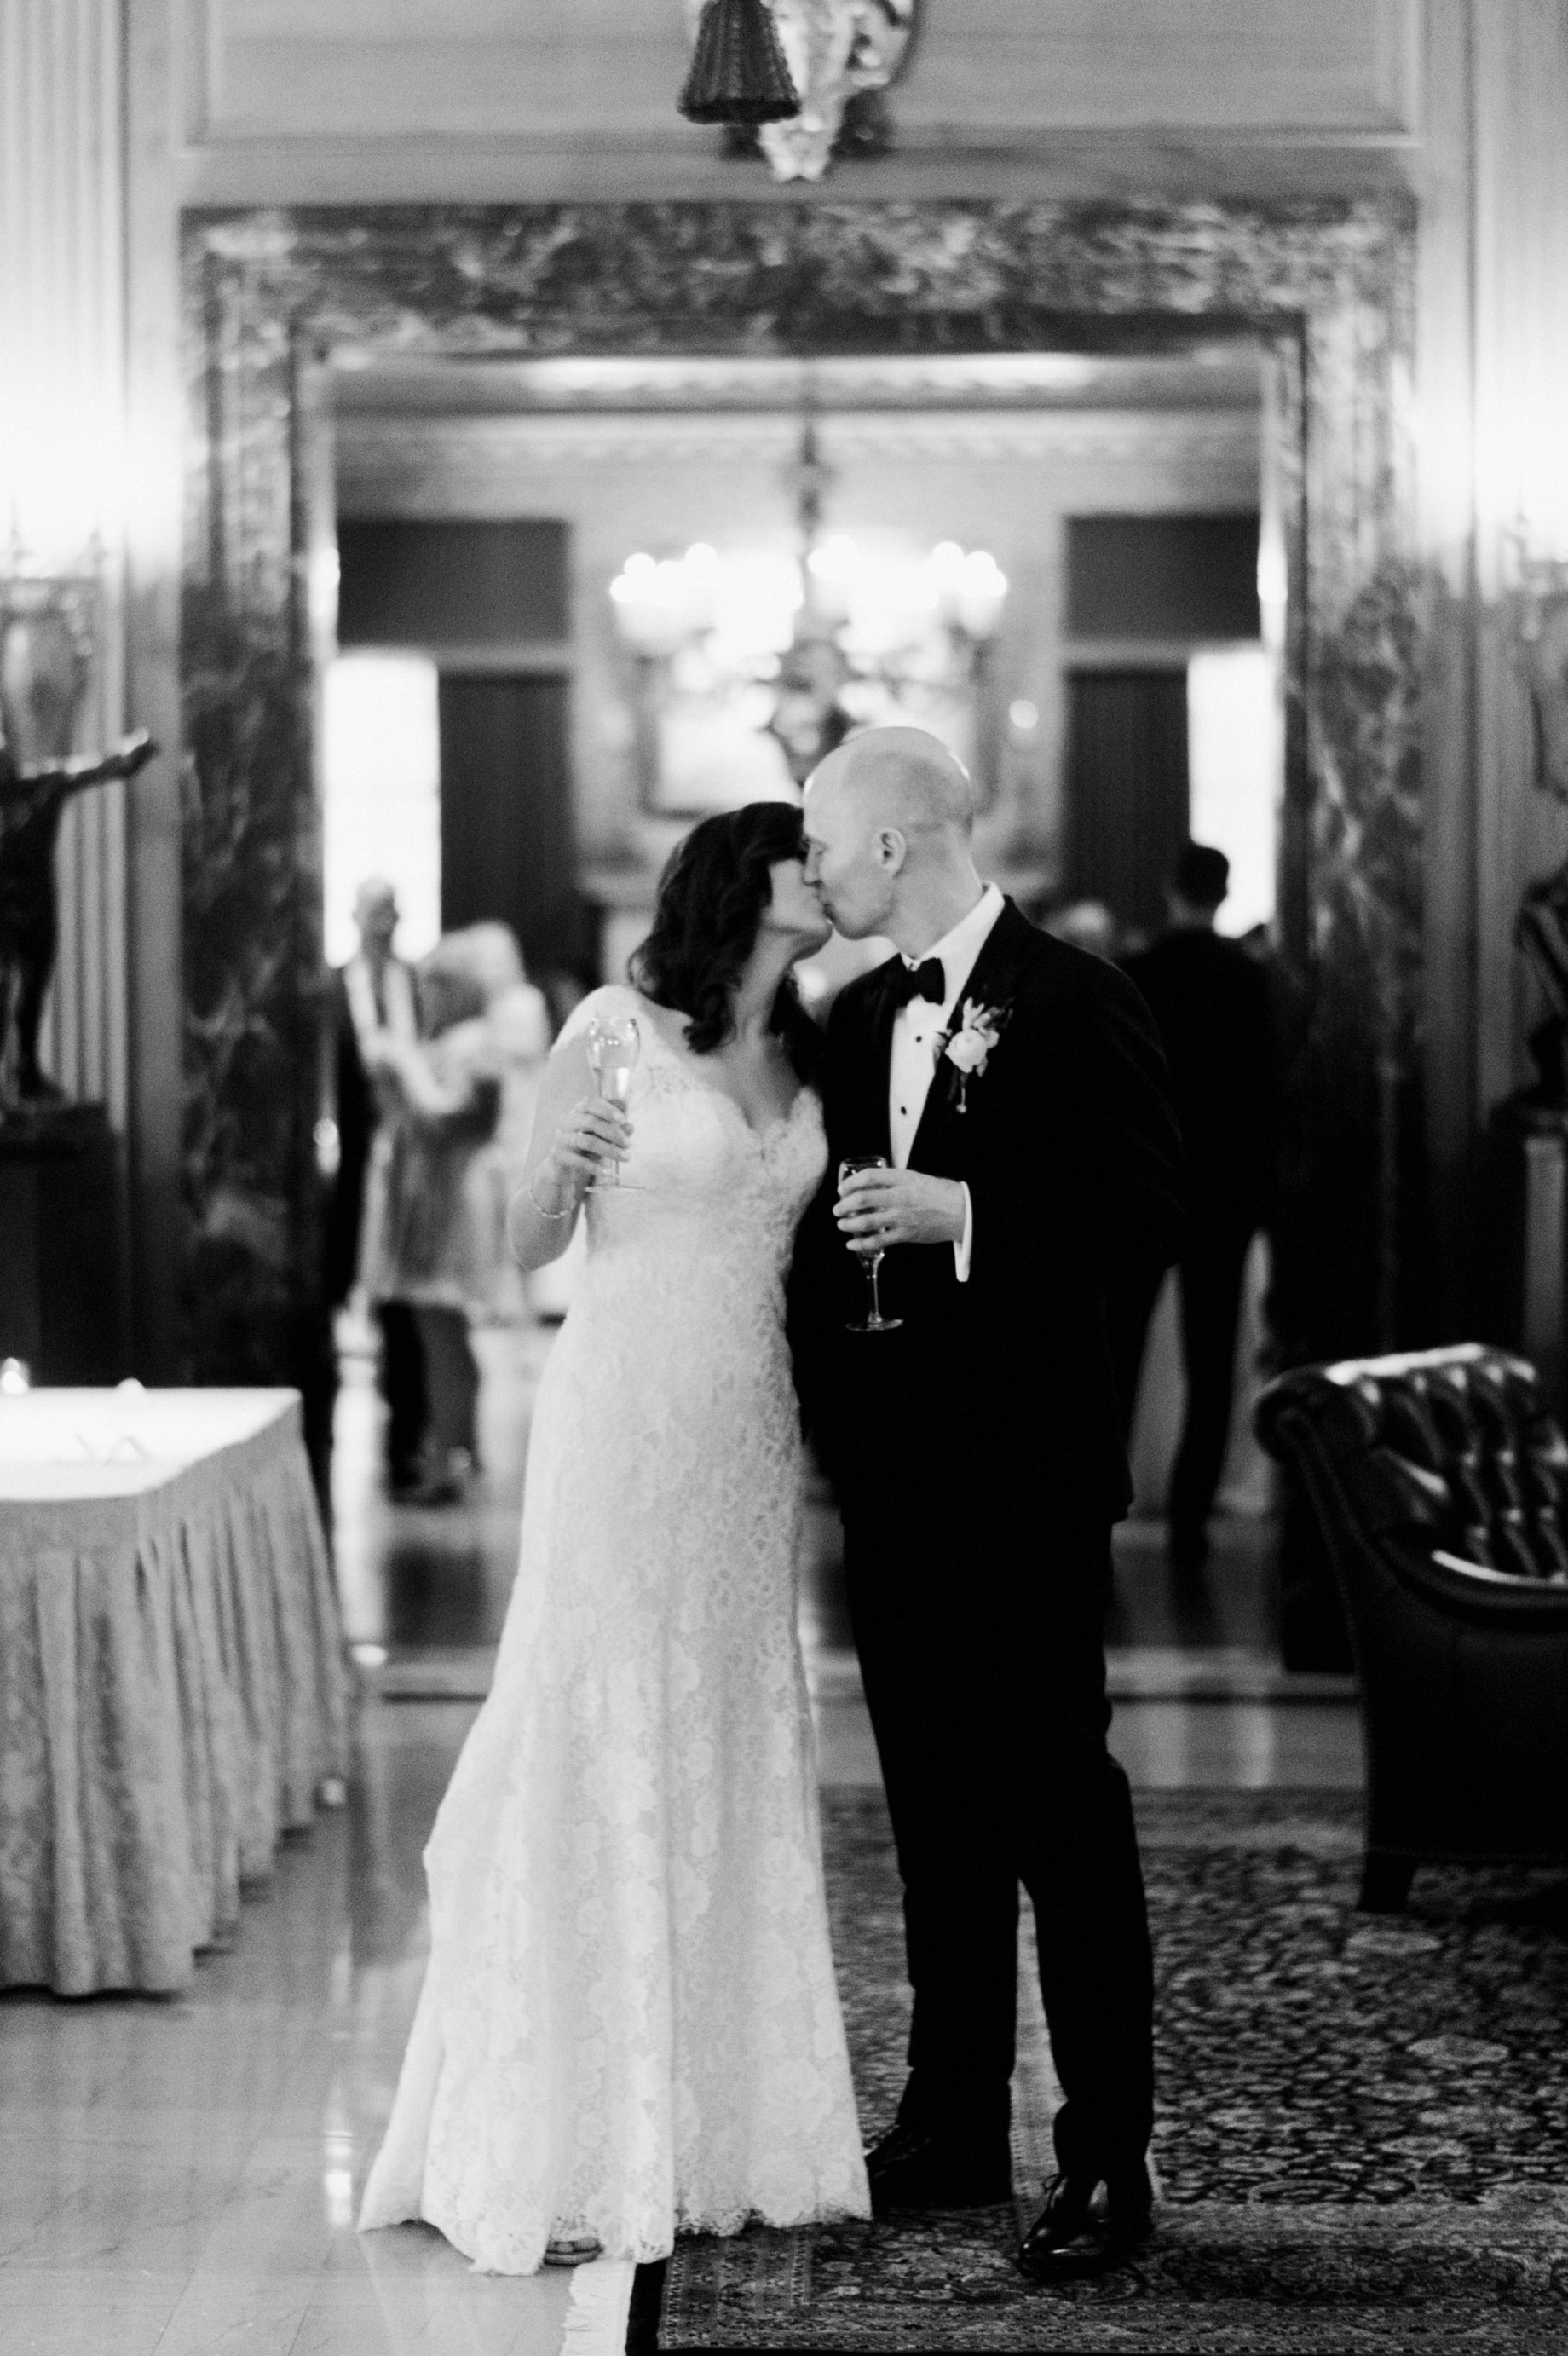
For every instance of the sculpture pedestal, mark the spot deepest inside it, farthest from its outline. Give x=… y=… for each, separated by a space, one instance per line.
x=61 y=1279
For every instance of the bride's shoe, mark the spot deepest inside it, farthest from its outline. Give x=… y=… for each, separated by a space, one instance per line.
x=572 y=2250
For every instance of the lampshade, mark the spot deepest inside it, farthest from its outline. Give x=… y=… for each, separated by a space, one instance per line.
x=738 y=69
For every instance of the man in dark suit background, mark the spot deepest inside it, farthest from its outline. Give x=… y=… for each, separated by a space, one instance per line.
x=1210 y=1001
x=373 y=992
x=1014 y=1089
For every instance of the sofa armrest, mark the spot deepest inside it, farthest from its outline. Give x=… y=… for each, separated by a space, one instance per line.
x=1471 y=1591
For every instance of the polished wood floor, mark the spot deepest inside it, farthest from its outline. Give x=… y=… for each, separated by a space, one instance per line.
x=181 y=2177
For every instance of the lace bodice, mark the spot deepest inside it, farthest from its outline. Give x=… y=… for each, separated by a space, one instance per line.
x=700 y=1179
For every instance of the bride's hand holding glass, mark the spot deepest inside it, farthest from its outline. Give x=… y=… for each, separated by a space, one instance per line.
x=590 y=1143
x=614 y=1042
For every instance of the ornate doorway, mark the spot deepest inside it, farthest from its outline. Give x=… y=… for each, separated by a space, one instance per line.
x=1325 y=286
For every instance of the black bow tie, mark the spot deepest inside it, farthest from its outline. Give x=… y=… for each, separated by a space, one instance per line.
x=927 y=980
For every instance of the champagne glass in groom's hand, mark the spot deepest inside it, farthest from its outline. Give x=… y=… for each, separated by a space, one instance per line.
x=874 y=1321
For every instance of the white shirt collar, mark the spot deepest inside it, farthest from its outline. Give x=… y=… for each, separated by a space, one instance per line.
x=959 y=948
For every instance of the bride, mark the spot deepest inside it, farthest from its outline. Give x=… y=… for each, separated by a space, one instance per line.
x=629 y=2027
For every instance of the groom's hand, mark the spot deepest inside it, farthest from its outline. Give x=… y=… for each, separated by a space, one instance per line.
x=878 y=1208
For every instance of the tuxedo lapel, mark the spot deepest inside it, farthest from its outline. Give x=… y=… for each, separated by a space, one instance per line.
x=1003 y=954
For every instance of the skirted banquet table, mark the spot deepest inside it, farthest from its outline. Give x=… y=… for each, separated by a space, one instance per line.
x=171 y=1692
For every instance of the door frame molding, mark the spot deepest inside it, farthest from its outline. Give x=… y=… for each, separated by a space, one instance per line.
x=1325 y=286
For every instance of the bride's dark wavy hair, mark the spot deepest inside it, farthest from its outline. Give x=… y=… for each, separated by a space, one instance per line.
x=709 y=913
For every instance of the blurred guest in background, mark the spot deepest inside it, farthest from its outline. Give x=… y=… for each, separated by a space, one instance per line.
x=369 y=998
x=575 y=930
x=433 y=1239
x=569 y=962
x=1084 y=924
x=520 y=1027
x=1212 y=1002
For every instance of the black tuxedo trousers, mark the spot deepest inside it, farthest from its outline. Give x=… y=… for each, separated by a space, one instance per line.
x=980 y=1635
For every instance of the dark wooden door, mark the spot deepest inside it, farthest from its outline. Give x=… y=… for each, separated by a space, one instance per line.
x=506 y=810
x=1127 y=792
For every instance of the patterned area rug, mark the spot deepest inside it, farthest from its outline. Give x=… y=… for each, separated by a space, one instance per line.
x=1361 y=2123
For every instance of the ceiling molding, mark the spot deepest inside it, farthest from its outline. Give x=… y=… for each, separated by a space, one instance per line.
x=382 y=456
x=1218 y=373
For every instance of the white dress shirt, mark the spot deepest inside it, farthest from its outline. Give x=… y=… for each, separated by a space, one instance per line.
x=393 y=1010
x=916 y=1027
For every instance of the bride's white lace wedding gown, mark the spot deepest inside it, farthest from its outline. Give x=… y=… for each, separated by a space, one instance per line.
x=629 y=2024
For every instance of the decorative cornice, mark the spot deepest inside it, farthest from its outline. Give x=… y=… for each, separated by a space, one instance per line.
x=1217 y=374
x=386 y=459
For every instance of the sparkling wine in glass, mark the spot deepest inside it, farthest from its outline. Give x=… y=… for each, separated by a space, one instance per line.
x=612 y=1056
x=874 y=1321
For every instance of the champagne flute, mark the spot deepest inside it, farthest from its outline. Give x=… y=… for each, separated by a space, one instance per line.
x=874 y=1323
x=612 y=1045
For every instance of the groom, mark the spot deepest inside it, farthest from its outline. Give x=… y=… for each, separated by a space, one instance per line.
x=1015 y=1088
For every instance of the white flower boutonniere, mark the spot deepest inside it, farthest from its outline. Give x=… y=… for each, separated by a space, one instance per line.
x=967 y=1046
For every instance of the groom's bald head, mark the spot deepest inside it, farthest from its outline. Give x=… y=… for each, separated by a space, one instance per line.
x=900 y=778
x=888 y=818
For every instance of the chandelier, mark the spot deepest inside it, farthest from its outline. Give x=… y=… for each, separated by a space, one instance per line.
x=843 y=632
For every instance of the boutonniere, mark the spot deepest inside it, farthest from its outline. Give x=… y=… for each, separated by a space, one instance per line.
x=966 y=1047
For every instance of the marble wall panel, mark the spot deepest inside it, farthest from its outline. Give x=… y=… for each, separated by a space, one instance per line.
x=1327 y=282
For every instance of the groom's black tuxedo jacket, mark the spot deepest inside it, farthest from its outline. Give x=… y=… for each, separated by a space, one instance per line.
x=1071 y=1151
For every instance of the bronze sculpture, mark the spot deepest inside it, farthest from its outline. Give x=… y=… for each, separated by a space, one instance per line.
x=1541 y=927
x=32 y=800
x=48 y=631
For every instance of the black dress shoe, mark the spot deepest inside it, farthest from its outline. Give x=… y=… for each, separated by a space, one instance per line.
x=911 y=2169
x=1076 y=2235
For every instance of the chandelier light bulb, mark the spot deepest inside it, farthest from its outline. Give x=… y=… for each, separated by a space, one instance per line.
x=944 y=568
x=834 y=567
x=659 y=605
x=970 y=589
x=982 y=592
x=834 y=558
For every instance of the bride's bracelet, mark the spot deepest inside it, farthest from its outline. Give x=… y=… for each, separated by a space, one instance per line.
x=539 y=1207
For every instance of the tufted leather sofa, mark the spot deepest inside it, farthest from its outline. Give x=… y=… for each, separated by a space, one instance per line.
x=1440 y=1482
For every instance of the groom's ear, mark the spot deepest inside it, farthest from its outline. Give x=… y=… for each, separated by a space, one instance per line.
x=891 y=849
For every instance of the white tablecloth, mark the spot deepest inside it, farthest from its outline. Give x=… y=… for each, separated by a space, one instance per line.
x=171 y=1694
